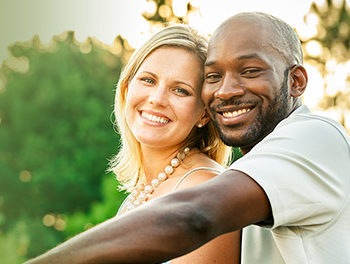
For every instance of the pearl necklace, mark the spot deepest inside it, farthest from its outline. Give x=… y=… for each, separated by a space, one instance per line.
x=141 y=193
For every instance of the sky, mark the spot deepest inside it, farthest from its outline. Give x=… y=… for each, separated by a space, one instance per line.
x=105 y=19
x=20 y=20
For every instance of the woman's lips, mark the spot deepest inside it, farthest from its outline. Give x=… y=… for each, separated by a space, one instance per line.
x=154 y=118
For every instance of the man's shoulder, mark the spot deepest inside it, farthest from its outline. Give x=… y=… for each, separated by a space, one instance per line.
x=309 y=124
x=304 y=131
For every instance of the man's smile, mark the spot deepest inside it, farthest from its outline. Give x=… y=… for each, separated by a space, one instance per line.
x=235 y=113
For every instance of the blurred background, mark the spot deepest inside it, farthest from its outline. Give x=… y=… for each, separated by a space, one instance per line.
x=60 y=62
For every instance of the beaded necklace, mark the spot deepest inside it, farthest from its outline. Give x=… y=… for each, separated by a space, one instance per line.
x=141 y=193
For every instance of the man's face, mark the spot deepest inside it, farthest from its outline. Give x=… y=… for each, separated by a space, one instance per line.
x=246 y=84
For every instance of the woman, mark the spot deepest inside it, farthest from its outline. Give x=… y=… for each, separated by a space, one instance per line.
x=168 y=141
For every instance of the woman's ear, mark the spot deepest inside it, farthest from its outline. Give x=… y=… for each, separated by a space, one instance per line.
x=298 y=80
x=203 y=120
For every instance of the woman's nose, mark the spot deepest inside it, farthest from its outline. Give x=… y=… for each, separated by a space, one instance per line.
x=158 y=95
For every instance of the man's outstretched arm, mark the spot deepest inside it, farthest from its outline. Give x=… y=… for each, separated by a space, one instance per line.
x=169 y=226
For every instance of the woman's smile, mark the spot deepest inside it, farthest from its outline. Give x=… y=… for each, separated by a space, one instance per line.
x=165 y=94
x=154 y=118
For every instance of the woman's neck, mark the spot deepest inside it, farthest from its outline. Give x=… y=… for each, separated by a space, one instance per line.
x=156 y=159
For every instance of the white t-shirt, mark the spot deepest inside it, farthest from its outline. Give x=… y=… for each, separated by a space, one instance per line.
x=304 y=168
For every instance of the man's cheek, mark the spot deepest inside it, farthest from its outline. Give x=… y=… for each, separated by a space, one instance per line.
x=206 y=96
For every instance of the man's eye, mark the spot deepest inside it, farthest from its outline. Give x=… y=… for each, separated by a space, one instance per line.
x=251 y=72
x=148 y=80
x=212 y=77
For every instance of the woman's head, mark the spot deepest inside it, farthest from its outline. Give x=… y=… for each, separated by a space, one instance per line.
x=165 y=89
x=175 y=54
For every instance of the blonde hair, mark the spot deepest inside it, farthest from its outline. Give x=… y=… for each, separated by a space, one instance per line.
x=127 y=164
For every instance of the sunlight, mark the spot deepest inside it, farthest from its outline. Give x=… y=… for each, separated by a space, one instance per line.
x=314 y=91
x=309 y=28
x=337 y=77
x=149 y=8
x=25 y=176
x=18 y=64
x=180 y=8
x=49 y=220
x=314 y=48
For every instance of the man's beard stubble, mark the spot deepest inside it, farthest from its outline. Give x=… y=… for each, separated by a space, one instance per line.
x=263 y=124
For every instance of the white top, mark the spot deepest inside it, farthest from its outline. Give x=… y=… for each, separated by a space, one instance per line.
x=123 y=210
x=304 y=168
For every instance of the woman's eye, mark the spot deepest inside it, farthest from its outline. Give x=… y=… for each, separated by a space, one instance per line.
x=181 y=91
x=148 y=80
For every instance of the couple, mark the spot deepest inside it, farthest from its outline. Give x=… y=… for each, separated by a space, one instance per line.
x=290 y=191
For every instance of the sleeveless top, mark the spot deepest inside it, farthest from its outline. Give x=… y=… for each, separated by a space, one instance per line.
x=175 y=187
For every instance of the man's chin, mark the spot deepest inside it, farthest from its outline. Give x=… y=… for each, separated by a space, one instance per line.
x=230 y=140
x=235 y=137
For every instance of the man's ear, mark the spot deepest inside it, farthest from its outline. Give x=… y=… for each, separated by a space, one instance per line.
x=298 y=80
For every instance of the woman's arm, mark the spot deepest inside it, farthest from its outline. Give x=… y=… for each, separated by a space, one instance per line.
x=223 y=249
x=170 y=226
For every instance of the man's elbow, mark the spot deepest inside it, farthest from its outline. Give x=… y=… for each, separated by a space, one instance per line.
x=199 y=223
x=190 y=219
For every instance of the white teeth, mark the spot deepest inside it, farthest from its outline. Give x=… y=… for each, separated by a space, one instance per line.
x=235 y=113
x=154 y=118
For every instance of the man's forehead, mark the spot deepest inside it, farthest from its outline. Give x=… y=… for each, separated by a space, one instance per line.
x=244 y=26
x=237 y=36
x=248 y=33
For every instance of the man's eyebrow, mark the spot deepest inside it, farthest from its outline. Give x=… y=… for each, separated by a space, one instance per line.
x=209 y=63
x=242 y=57
x=250 y=56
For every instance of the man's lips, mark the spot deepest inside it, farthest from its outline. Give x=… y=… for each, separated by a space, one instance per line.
x=233 y=115
x=232 y=110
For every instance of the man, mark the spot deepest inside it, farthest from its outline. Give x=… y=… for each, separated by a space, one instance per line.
x=292 y=184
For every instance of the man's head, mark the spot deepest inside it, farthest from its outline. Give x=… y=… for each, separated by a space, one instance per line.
x=253 y=77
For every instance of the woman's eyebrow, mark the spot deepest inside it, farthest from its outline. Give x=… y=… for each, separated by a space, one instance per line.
x=187 y=84
x=148 y=72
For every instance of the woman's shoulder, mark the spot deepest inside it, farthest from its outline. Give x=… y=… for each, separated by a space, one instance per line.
x=198 y=159
x=200 y=169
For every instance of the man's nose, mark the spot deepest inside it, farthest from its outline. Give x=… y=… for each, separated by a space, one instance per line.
x=231 y=87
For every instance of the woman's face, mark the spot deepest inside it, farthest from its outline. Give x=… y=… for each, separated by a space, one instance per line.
x=163 y=101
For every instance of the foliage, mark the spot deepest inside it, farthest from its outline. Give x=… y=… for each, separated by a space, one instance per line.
x=164 y=13
x=99 y=210
x=13 y=245
x=333 y=36
x=55 y=135
x=333 y=30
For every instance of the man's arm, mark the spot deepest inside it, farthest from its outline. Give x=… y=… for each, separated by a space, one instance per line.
x=169 y=226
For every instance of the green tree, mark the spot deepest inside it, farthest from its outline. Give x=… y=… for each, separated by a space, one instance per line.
x=56 y=134
x=99 y=211
x=333 y=36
